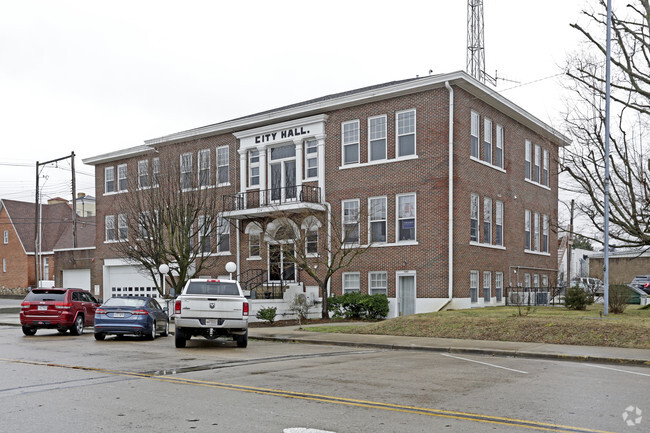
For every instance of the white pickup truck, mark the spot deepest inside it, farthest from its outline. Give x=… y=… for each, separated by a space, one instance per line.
x=211 y=308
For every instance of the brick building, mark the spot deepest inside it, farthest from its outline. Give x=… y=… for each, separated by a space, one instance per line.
x=452 y=187
x=18 y=248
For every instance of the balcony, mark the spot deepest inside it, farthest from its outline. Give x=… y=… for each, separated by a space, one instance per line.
x=266 y=202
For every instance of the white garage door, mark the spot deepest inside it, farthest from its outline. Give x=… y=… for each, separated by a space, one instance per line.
x=127 y=281
x=76 y=278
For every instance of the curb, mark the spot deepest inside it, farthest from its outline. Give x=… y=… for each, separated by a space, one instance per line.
x=468 y=351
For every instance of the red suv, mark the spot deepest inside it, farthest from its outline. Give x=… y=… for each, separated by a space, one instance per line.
x=62 y=309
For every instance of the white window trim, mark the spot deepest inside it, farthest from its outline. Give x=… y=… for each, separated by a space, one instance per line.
x=397 y=135
x=126 y=178
x=106 y=181
x=252 y=165
x=387 y=161
x=472 y=199
x=487 y=139
x=496 y=222
x=308 y=157
x=370 y=274
x=141 y=163
x=397 y=218
x=500 y=144
x=475 y=131
x=385 y=138
x=488 y=275
x=528 y=158
x=494 y=167
x=358 y=201
x=189 y=166
x=106 y=219
x=155 y=172
x=221 y=221
x=5 y=237
x=217 y=183
x=343 y=288
x=4 y=265
x=528 y=223
x=474 y=284
x=344 y=144
x=385 y=220
x=198 y=168
x=487 y=217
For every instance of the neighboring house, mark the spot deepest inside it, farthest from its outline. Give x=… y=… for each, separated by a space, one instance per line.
x=579 y=261
x=623 y=265
x=85 y=205
x=18 y=249
x=452 y=216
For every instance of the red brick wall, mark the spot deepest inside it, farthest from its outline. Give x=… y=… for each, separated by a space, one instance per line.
x=20 y=266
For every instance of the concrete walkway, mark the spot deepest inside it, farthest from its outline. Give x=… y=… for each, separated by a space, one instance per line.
x=611 y=355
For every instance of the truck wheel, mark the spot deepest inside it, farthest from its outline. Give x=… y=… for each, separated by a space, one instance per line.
x=242 y=340
x=179 y=338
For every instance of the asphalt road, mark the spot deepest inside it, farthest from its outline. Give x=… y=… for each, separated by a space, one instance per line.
x=56 y=383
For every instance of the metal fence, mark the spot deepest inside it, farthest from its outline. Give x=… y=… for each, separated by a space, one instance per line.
x=534 y=296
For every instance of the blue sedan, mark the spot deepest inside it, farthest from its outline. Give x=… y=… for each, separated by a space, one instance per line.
x=137 y=315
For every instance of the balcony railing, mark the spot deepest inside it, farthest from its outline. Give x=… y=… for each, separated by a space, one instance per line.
x=271 y=197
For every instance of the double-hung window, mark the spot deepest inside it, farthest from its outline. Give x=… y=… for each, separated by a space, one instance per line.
x=487 y=286
x=473 y=218
x=545 y=233
x=109 y=226
x=143 y=225
x=109 y=179
x=377 y=138
x=350 y=142
x=487 y=220
x=498 y=286
x=406 y=133
x=4 y=265
x=186 y=171
x=311 y=241
x=498 y=240
x=529 y=160
x=487 y=141
x=223 y=235
x=253 y=168
x=351 y=221
x=545 y=162
x=5 y=237
x=155 y=171
x=536 y=239
x=537 y=163
x=254 y=244
x=473 y=286
x=378 y=283
x=122 y=227
x=527 y=231
x=544 y=280
x=474 y=133
x=311 y=159
x=351 y=282
x=377 y=218
x=204 y=168
x=121 y=177
x=143 y=173
x=498 y=150
x=203 y=231
x=406 y=217
x=223 y=164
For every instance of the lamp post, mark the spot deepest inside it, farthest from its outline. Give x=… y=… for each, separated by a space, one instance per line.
x=230 y=268
x=164 y=270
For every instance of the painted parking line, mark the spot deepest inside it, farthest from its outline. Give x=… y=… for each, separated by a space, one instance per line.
x=617 y=369
x=488 y=419
x=484 y=363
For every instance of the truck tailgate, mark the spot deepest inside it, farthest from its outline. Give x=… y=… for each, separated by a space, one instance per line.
x=212 y=307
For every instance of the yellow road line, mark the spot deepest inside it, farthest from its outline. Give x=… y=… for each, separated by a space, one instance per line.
x=513 y=422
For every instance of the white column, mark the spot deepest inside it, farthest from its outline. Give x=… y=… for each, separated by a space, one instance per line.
x=242 y=173
x=262 y=151
x=321 y=166
x=299 y=160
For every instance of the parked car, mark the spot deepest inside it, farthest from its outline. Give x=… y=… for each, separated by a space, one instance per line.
x=137 y=315
x=56 y=308
x=641 y=282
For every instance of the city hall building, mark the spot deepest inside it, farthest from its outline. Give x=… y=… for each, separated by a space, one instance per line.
x=450 y=187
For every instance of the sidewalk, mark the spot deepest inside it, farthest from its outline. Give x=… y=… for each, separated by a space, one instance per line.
x=609 y=355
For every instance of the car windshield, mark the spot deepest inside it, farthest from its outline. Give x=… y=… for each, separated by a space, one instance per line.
x=212 y=288
x=46 y=295
x=125 y=302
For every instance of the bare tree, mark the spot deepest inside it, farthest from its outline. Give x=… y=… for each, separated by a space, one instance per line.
x=585 y=118
x=324 y=243
x=167 y=217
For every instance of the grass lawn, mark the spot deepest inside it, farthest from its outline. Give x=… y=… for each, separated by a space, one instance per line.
x=555 y=325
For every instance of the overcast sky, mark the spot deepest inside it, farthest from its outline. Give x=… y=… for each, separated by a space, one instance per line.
x=94 y=77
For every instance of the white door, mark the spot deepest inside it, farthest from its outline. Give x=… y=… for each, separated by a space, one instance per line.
x=406 y=290
x=76 y=278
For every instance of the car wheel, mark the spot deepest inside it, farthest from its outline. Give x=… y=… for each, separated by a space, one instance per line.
x=29 y=331
x=99 y=336
x=78 y=327
x=179 y=339
x=242 y=340
x=166 y=331
x=152 y=336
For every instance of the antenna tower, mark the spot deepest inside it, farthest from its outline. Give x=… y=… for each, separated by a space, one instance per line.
x=475 y=42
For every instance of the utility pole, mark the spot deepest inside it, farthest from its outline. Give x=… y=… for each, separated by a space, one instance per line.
x=569 y=247
x=37 y=216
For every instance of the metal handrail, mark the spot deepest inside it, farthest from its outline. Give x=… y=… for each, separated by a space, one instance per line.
x=271 y=197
